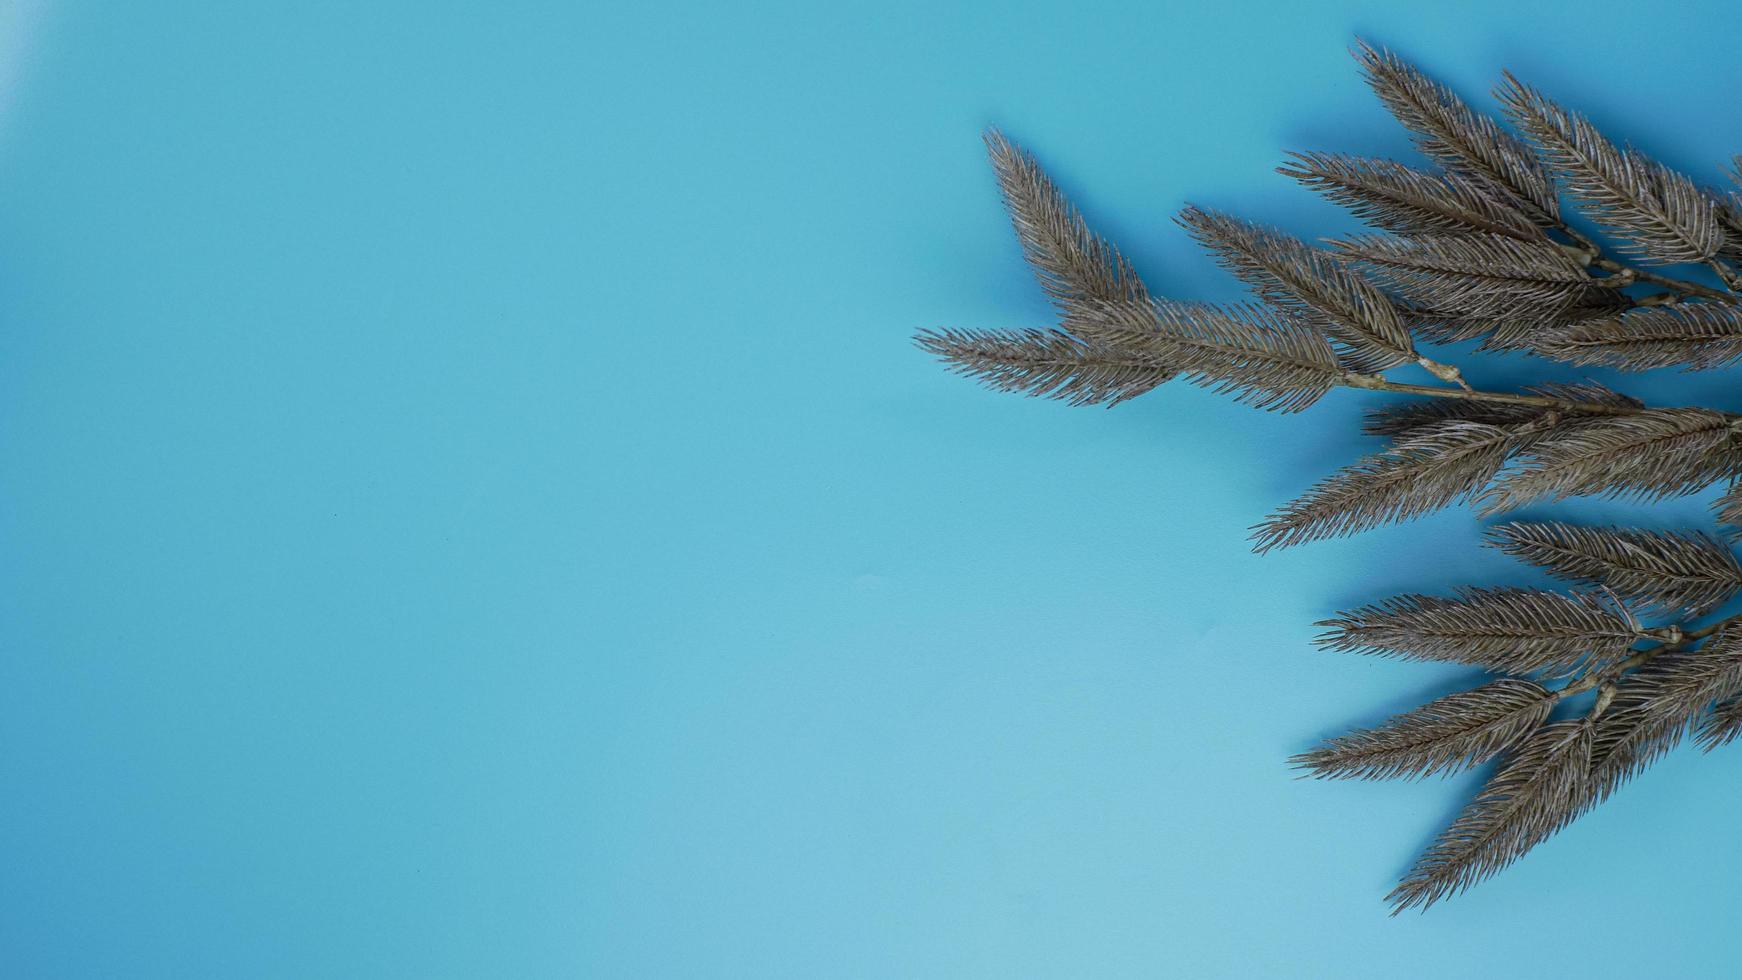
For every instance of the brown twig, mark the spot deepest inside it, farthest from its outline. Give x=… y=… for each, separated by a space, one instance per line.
x=1374 y=382
x=1598 y=260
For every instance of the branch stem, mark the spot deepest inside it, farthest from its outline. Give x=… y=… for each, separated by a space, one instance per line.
x=1682 y=286
x=1643 y=657
x=1598 y=260
x=1374 y=382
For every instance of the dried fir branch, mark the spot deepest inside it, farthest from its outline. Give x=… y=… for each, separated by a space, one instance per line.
x=1117 y=350
x=1400 y=198
x=1663 y=215
x=1588 y=393
x=1528 y=331
x=1445 y=453
x=1512 y=631
x=1459 y=138
x=1528 y=397
x=1481 y=252
x=1627 y=740
x=1635 y=720
x=1527 y=801
x=1690 y=573
x=1667 y=640
x=1730 y=213
x=1722 y=726
x=1633 y=723
x=1446 y=735
x=1692 y=336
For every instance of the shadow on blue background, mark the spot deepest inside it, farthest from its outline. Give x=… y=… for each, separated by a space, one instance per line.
x=472 y=507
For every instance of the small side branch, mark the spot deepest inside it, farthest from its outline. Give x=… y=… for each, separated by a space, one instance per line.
x=1374 y=382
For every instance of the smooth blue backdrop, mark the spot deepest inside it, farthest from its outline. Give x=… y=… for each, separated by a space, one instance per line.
x=471 y=507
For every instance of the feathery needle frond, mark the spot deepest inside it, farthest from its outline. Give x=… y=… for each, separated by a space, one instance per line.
x=1072 y=263
x=1400 y=198
x=1523 y=327
x=1434 y=467
x=1475 y=274
x=1476 y=251
x=1461 y=139
x=1723 y=667
x=1692 y=572
x=1288 y=272
x=1511 y=631
x=1268 y=357
x=1692 y=336
x=1651 y=454
x=1728 y=508
x=1523 y=804
x=1047 y=364
x=1722 y=726
x=1405 y=418
x=1664 y=216
x=1446 y=735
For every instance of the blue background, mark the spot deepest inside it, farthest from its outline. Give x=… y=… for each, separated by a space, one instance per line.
x=472 y=508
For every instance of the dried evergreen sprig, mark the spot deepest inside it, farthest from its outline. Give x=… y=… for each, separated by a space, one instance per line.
x=1478 y=250
x=1525 y=328
x=1728 y=508
x=1401 y=419
x=1723 y=724
x=1645 y=704
x=1443 y=453
x=1691 y=573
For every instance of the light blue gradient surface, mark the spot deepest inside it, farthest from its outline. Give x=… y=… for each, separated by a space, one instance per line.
x=469 y=506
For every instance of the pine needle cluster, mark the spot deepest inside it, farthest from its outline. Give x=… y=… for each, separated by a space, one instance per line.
x=1479 y=246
